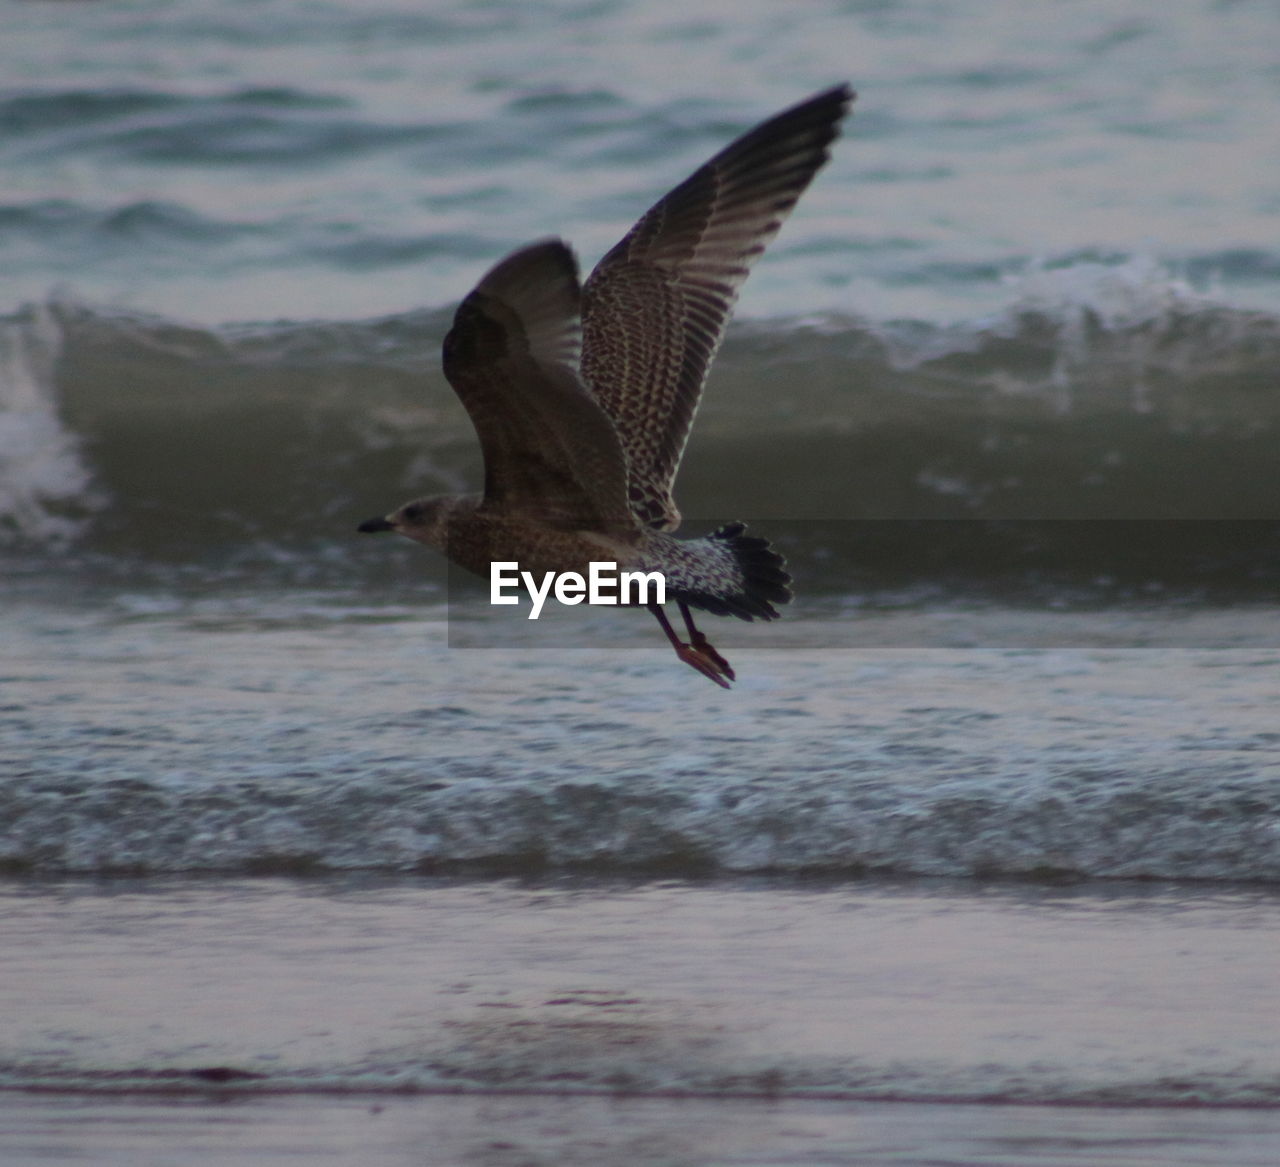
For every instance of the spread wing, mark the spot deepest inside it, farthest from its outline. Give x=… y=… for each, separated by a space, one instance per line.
x=656 y=306
x=550 y=451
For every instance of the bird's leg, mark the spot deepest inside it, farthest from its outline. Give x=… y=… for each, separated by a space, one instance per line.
x=702 y=644
x=712 y=667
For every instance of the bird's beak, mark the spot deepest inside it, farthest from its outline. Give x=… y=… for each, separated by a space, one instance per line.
x=373 y=526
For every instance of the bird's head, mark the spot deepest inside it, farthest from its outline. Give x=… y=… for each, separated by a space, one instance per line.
x=425 y=520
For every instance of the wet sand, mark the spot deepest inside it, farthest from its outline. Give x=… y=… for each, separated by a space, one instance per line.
x=550 y=1131
x=429 y=1021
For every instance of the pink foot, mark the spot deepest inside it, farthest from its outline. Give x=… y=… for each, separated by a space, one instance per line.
x=703 y=645
x=710 y=664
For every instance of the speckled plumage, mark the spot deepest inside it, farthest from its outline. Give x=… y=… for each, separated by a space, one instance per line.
x=655 y=308
x=583 y=397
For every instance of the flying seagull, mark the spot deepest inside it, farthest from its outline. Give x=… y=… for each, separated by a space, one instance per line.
x=583 y=395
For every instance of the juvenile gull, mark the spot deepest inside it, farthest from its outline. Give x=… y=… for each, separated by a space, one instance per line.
x=583 y=395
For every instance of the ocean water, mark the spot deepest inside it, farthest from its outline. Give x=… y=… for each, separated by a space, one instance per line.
x=306 y=849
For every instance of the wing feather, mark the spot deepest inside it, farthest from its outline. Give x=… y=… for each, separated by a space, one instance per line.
x=656 y=306
x=512 y=356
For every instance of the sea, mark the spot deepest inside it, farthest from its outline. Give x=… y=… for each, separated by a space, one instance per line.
x=310 y=853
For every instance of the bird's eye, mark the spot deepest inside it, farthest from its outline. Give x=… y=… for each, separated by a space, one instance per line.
x=413 y=513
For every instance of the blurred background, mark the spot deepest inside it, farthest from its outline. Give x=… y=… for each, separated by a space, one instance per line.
x=1004 y=391
x=1039 y=280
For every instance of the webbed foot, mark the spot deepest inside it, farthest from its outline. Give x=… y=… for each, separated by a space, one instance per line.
x=707 y=661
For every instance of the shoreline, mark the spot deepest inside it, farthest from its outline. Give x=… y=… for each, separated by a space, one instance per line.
x=540 y=1132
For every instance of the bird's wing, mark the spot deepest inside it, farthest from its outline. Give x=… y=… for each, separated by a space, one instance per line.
x=550 y=451
x=655 y=308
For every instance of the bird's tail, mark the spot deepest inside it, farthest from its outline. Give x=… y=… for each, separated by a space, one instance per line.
x=756 y=578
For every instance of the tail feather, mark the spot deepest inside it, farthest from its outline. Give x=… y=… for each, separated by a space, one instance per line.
x=760 y=579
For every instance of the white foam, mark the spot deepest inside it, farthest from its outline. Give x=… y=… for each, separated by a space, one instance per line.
x=46 y=487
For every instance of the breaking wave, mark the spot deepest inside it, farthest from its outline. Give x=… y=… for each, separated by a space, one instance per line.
x=1101 y=393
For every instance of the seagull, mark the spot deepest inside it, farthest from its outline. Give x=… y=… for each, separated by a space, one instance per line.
x=583 y=394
